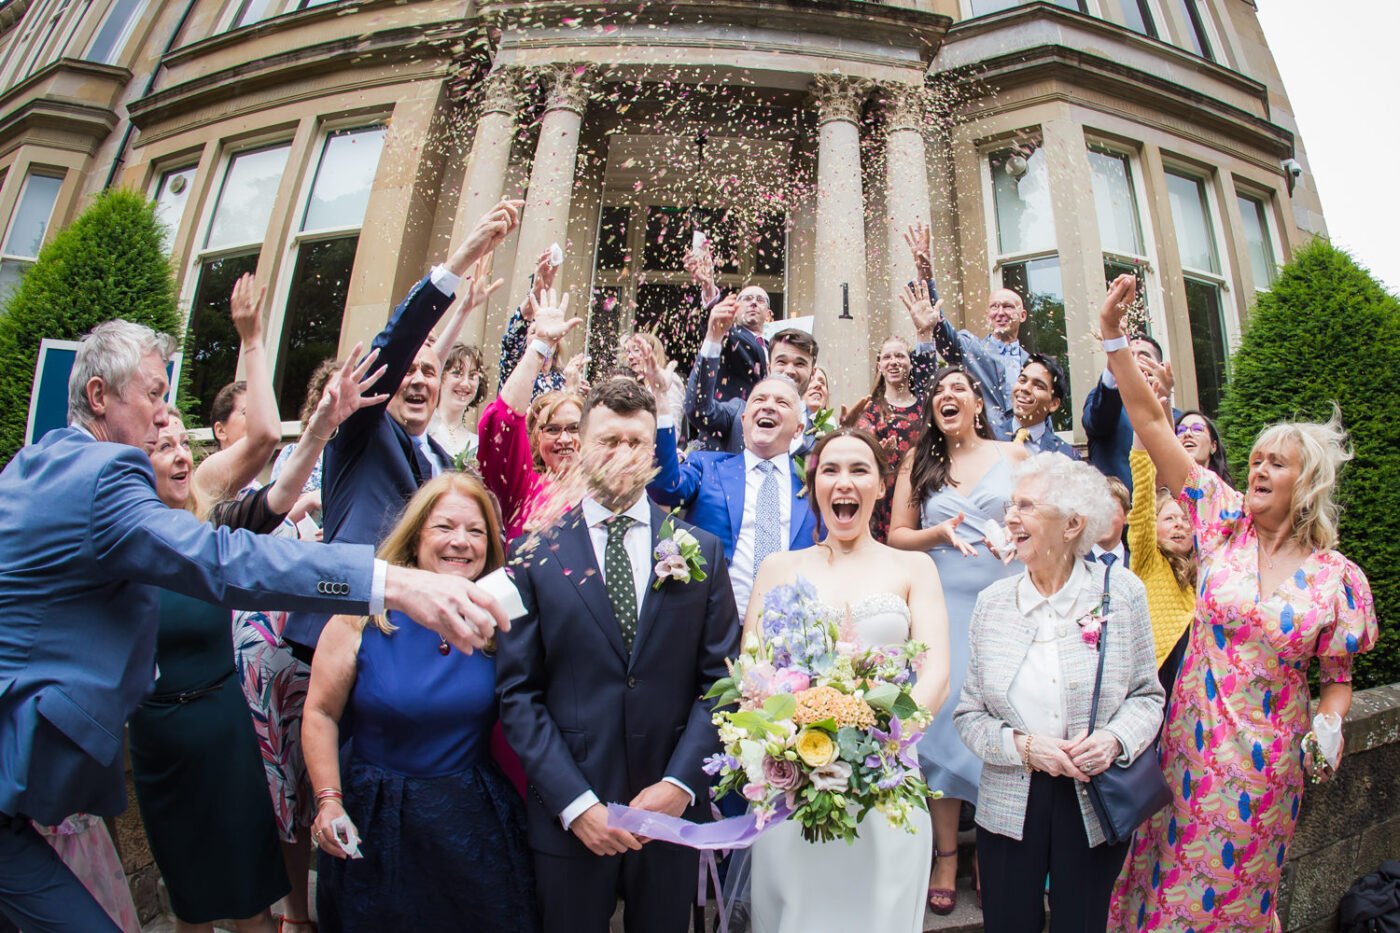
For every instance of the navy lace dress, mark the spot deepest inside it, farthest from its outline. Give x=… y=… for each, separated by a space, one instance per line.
x=442 y=831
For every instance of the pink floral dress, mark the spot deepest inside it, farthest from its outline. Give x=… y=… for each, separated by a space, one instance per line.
x=1232 y=748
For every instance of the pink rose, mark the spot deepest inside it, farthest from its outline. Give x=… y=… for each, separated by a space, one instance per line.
x=781 y=773
x=1089 y=631
x=790 y=681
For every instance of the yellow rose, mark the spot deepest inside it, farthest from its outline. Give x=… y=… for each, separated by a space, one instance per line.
x=815 y=748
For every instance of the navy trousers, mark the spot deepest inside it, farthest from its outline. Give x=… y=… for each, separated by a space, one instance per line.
x=38 y=893
x=656 y=885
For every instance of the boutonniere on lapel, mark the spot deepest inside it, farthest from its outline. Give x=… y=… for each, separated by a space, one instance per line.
x=1091 y=624
x=677 y=555
x=823 y=423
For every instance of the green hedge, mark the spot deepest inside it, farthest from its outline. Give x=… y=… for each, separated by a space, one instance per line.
x=109 y=263
x=1329 y=332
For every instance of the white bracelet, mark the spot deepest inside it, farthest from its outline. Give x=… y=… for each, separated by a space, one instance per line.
x=542 y=348
x=1115 y=343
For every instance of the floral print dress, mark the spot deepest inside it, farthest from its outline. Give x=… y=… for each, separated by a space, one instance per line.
x=1232 y=750
x=904 y=425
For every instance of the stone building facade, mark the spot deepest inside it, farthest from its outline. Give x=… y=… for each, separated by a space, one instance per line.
x=337 y=149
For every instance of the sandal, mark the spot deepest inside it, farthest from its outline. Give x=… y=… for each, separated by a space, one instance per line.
x=943 y=901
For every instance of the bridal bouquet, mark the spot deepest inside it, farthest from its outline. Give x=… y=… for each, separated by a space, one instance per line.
x=822 y=728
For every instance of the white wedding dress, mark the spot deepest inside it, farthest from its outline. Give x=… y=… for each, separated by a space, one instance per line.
x=876 y=883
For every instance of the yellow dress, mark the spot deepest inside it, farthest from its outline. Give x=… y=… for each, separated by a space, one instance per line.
x=1170 y=604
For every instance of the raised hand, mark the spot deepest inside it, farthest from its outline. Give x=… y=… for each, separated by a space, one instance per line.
x=722 y=318
x=700 y=263
x=245 y=307
x=1121 y=292
x=576 y=375
x=849 y=416
x=488 y=233
x=948 y=529
x=544 y=273
x=345 y=393
x=919 y=239
x=924 y=314
x=479 y=291
x=550 y=323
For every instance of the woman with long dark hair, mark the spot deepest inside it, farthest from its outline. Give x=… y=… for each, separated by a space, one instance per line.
x=1200 y=439
x=894 y=417
x=951 y=490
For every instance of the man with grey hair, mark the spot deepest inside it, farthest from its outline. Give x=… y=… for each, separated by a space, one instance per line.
x=84 y=544
x=750 y=500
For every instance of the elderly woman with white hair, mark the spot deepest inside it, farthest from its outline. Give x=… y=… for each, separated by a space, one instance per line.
x=1035 y=641
x=1274 y=594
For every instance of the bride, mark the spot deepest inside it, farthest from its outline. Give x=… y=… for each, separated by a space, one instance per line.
x=877 y=882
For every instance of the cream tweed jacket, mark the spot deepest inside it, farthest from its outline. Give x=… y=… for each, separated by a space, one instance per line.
x=1130 y=706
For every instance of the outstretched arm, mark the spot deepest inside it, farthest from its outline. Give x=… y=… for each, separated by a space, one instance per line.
x=478 y=293
x=1153 y=426
x=701 y=407
x=223 y=473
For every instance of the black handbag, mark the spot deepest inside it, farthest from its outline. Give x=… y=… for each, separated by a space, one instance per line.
x=1123 y=797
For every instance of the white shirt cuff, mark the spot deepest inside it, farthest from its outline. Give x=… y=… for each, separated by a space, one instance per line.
x=376 y=587
x=665 y=421
x=445 y=280
x=671 y=780
x=575 y=810
x=710 y=348
x=1108 y=381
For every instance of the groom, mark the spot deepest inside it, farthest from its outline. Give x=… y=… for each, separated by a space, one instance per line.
x=601 y=684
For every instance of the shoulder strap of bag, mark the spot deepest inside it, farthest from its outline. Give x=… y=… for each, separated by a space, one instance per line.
x=1103 y=649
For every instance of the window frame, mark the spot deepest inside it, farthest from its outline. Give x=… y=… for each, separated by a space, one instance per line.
x=1147 y=261
x=202 y=251
x=157 y=185
x=123 y=38
x=57 y=174
x=1264 y=201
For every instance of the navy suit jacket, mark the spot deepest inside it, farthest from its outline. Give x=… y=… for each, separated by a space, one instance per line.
x=710 y=486
x=1109 y=431
x=743 y=361
x=581 y=712
x=719 y=425
x=84 y=545
x=369 y=469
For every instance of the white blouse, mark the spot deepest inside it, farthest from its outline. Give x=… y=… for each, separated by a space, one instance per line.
x=1036 y=692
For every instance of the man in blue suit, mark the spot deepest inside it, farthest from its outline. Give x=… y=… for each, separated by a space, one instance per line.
x=382 y=453
x=601 y=683
x=743 y=354
x=1106 y=423
x=791 y=353
x=84 y=544
x=1040 y=391
x=752 y=500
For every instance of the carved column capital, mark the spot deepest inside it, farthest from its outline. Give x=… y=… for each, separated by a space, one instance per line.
x=500 y=91
x=903 y=106
x=568 y=86
x=839 y=97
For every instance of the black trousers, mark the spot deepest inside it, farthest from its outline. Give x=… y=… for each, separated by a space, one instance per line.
x=38 y=893
x=657 y=885
x=1053 y=843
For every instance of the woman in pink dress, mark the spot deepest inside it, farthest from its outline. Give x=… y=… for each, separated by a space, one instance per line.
x=524 y=448
x=1274 y=593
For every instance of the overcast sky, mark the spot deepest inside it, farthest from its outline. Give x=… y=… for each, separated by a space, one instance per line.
x=1339 y=66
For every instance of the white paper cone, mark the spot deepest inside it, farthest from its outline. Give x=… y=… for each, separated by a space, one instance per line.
x=1328 y=729
x=499 y=584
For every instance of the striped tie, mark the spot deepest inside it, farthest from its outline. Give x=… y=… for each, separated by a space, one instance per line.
x=767 y=530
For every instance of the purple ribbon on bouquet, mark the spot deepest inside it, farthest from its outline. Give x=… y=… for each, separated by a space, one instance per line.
x=736 y=832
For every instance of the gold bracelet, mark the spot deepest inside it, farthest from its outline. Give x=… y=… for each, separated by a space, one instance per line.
x=323 y=440
x=1026 y=753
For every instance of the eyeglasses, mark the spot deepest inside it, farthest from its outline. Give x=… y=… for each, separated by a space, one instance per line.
x=1002 y=306
x=554 y=430
x=1026 y=506
x=1194 y=428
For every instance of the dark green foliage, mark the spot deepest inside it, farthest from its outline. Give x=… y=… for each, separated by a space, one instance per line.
x=109 y=263
x=1329 y=332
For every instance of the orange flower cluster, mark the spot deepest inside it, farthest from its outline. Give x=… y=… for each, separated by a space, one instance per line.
x=816 y=704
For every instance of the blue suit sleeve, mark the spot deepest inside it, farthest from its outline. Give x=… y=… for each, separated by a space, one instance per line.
x=521 y=670
x=704 y=412
x=676 y=483
x=134 y=536
x=398 y=343
x=721 y=642
x=1102 y=409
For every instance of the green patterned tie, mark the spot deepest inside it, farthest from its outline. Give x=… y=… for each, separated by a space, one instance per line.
x=618 y=579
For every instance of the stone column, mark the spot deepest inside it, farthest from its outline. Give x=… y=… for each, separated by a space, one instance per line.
x=546 y=218
x=906 y=192
x=840 y=239
x=500 y=104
